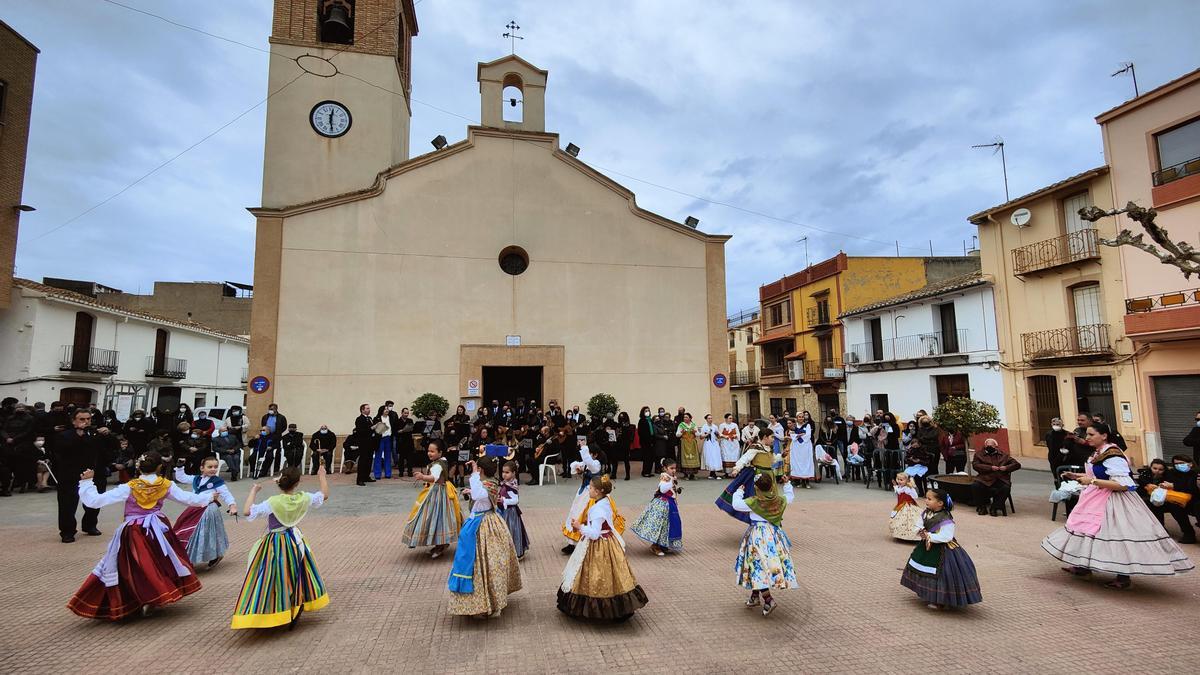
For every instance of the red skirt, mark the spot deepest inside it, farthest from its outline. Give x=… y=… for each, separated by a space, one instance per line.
x=186 y=523
x=145 y=577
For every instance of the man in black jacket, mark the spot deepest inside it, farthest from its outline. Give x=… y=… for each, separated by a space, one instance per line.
x=75 y=451
x=322 y=446
x=264 y=451
x=292 y=442
x=1192 y=440
x=274 y=421
x=367 y=441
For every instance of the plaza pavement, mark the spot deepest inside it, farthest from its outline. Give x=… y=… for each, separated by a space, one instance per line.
x=388 y=609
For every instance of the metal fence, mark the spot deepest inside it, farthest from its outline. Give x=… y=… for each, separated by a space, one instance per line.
x=1069 y=248
x=88 y=360
x=919 y=346
x=174 y=369
x=1065 y=342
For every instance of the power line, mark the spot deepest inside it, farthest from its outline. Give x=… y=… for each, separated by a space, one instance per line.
x=187 y=27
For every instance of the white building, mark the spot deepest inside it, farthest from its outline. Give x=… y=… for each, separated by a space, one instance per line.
x=915 y=350
x=64 y=346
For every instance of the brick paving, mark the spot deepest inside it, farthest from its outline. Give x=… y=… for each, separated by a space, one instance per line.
x=388 y=609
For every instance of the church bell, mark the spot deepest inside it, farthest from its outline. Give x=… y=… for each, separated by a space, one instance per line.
x=337 y=22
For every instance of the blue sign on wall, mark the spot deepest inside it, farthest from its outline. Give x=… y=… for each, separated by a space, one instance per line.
x=720 y=380
x=260 y=384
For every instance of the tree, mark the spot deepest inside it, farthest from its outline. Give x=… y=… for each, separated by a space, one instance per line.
x=966 y=415
x=1177 y=254
x=429 y=403
x=602 y=404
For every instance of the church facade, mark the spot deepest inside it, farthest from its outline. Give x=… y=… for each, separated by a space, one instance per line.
x=498 y=267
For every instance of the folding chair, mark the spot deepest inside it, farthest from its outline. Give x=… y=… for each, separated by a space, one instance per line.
x=547 y=465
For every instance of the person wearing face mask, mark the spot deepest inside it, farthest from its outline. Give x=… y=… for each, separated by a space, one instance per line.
x=1179 y=478
x=205 y=426
x=263 y=451
x=194 y=447
x=228 y=448
x=274 y=421
x=405 y=448
x=17 y=431
x=993 y=480
x=1192 y=440
x=137 y=432
x=645 y=440
x=1057 y=448
x=322 y=445
x=292 y=443
x=238 y=424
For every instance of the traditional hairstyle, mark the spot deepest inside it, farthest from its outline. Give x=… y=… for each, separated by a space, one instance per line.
x=944 y=497
x=149 y=462
x=289 y=478
x=487 y=466
x=603 y=484
x=209 y=458
x=513 y=467
x=1101 y=428
x=763 y=482
x=665 y=462
x=438 y=444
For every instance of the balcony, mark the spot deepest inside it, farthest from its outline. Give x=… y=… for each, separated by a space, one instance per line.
x=821 y=371
x=1063 y=343
x=818 y=316
x=1150 y=303
x=84 y=360
x=743 y=378
x=777 y=374
x=933 y=344
x=1173 y=173
x=168 y=369
x=1169 y=316
x=1070 y=248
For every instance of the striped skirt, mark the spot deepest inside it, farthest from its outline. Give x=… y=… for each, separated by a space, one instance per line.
x=282 y=577
x=435 y=518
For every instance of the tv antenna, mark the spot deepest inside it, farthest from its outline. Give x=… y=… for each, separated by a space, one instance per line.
x=1127 y=67
x=998 y=146
x=512 y=35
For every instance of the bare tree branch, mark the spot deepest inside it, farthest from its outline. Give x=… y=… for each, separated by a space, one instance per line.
x=1177 y=254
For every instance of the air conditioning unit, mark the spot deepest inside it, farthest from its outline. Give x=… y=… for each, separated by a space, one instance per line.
x=796 y=369
x=850 y=357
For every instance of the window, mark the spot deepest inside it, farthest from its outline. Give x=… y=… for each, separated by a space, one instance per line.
x=731 y=339
x=949 y=324
x=773 y=354
x=778 y=314
x=160 y=351
x=1178 y=152
x=1086 y=300
x=789 y=404
x=201 y=400
x=81 y=349
x=825 y=346
x=777 y=407
x=874 y=339
x=514 y=260
x=513 y=99
x=879 y=402
x=823 y=310
x=947 y=386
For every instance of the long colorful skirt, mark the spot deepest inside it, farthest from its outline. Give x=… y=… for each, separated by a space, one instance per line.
x=135 y=572
x=201 y=530
x=660 y=525
x=764 y=560
x=943 y=575
x=485 y=567
x=744 y=479
x=516 y=527
x=435 y=517
x=598 y=583
x=906 y=522
x=1129 y=540
x=281 y=579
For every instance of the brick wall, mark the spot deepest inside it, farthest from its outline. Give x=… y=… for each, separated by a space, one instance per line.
x=204 y=301
x=16 y=71
x=380 y=27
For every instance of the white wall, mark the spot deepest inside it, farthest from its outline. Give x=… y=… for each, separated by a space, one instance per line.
x=974 y=310
x=915 y=389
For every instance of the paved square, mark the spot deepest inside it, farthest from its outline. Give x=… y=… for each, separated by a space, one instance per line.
x=388 y=609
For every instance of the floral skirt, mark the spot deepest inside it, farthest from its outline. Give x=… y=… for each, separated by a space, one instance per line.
x=281 y=578
x=906 y=522
x=654 y=526
x=201 y=530
x=764 y=560
x=435 y=517
x=496 y=572
x=598 y=583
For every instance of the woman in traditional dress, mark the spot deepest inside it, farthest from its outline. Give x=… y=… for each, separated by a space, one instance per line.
x=711 y=453
x=756 y=461
x=939 y=571
x=282 y=581
x=801 y=465
x=485 y=567
x=201 y=529
x=727 y=431
x=659 y=525
x=586 y=468
x=906 y=515
x=510 y=485
x=689 y=446
x=597 y=582
x=434 y=518
x=764 y=560
x=145 y=565
x=1111 y=529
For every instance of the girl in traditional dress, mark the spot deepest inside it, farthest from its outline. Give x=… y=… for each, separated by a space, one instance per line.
x=764 y=559
x=511 y=513
x=801 y=465
x=200 y=528
x=586 y=468
x=282 y=581
x=485 y=567
x=145 y=565
x=727 y=431
x=659 y=525
x=689 y=446
x=906 y=516
x=1111 y=529
x=435 y=518
x=597 y=582
x=939 y=571
x=756 y=461
x=711 y=452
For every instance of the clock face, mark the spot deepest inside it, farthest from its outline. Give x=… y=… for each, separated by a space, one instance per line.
x=330 y=119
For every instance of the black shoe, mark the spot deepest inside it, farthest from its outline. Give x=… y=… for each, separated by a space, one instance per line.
x=568 y=549
x=93 y=532
x=68 y=539
x=6 y=493
x=626 y=477
x=361 y=484
x=369 y=480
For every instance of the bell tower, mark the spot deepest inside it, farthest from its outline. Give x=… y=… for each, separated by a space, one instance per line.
x=339 y=84
x=512 y=81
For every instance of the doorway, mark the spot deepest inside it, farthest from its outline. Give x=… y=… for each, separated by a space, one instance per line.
x=755 y=405
x=1095 y=395
x=948 y=386
x=509 y=383
x=77 y=396
x=1043 y=397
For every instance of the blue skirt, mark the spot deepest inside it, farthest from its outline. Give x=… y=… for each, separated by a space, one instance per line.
x=745 y=478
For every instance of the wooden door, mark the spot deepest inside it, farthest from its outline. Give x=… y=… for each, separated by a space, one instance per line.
x=81 y=348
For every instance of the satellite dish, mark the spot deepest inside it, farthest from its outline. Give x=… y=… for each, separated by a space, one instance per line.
x=1021 y=217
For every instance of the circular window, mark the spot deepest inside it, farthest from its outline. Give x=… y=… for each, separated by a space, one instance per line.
x=514 y=260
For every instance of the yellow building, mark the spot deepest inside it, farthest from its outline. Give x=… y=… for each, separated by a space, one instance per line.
x=498 y=267
x=802 y=341
x=1059 y=300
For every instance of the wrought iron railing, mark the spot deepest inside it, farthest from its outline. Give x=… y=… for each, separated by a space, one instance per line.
x=172 y=369
x=90 y=360
x=1066 y=342
x=742 y=317
x=818 y=316
x=1069 y=248
x=1167 y=174
x=815 y=371
x=919 y=346
x=743 y=378
x=1150 y=303
x=773 y=371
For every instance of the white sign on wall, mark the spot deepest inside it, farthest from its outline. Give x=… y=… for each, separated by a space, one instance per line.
x=470 y=406
x=513 y=340
x=472 y=387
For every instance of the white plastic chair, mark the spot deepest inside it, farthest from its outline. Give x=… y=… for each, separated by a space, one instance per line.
x=547 y=465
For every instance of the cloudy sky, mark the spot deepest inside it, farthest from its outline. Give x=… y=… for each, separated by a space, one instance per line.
x=846 y=121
